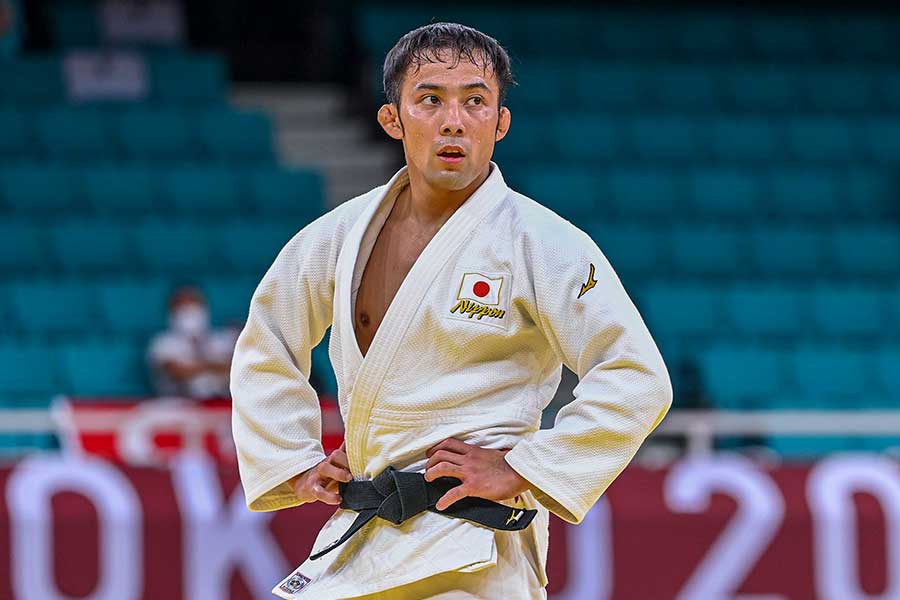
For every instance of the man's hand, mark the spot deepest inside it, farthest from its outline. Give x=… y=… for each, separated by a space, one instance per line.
x=483 y=472
x=321 y=482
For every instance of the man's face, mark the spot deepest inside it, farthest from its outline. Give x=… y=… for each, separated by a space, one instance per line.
x=449 y=120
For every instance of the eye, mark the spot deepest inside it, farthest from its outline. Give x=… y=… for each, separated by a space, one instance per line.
x=478 y=98
x=425 y=99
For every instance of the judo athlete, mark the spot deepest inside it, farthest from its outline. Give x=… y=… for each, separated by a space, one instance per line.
x=454 y=301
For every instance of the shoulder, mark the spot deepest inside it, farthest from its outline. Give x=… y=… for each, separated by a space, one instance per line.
x=543 y=232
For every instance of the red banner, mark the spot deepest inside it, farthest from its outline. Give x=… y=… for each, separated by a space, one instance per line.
x=710 y=529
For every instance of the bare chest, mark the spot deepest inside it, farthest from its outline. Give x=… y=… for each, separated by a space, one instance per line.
x=396 y=249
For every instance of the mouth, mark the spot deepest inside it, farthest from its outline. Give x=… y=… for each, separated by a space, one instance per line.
x=451 y=154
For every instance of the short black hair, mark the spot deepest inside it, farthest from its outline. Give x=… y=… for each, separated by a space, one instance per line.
x=423 y=45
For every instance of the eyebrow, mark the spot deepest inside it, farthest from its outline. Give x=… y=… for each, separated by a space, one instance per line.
x=440 y=88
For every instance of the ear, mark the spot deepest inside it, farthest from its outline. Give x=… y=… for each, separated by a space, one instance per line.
x=390 y=121
x=502 y=124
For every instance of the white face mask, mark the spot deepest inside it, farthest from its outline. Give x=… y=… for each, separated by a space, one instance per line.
x=191 y=319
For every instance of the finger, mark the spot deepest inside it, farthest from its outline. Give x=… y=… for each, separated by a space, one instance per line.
x=455 y=494
x=331 y=471
x=323 y=495
x=444 y=456
x=331 y=485
x=339 y=458
x=450 y=444
x=444 y=470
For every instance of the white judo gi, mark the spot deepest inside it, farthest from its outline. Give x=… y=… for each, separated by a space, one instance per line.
x=471 y=347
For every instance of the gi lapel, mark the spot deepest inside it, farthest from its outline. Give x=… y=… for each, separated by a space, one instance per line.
x=397 y=319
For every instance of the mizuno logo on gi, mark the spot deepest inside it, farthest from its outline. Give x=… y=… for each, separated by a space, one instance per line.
x=515 y=516
x=479 y=296
x=591 y=282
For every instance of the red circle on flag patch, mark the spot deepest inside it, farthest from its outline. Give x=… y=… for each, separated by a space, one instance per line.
x=481 y=289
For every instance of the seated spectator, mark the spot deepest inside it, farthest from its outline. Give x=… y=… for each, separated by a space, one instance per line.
x=190 y=359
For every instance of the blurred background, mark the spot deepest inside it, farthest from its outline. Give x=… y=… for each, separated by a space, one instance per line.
x=737 y=163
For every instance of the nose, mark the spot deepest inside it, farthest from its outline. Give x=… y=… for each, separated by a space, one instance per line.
x=452 y=124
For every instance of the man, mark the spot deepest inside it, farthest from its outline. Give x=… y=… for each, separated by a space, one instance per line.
x=454 y=302
x=190 y=358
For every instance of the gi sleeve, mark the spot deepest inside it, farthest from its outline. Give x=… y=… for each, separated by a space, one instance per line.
x=623 y=391
x=276 y=418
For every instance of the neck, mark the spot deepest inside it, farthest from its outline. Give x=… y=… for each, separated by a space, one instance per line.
x=429 y=206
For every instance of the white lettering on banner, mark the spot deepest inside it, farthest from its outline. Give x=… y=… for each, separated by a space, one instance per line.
x=218 y=538
x=29 y=492
x=589 y=548
x=829 y=491
x=760 y=512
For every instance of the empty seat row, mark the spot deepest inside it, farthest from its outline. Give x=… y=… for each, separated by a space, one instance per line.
x=708 y=192
x=750 y=252
x=173 y=78
x=771 y=311
x=689 y=34
x=592 y=137
x=792 y=87
x=38 y=189
x=92 y=366
x=122 y=306
x=807 y=377
x=80 y=135
x=84 y=246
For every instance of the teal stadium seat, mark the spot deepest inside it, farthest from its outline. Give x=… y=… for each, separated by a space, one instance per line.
x=882 y=138
x=789 y=251
x=237 y=137
x=741 y=377
x=17 y=141
x=136 y=308
x=872 y=194
x=37 y=82
x=888 y=90
x=604 y=85
x=75 y=23
x=683 y=310
x=229 y=298
x=36 y=189
x=572 y=193
x=123 y=190
x=84 y=246
x=584 y=138
x=707 y=251
x=782 y=37
x=102 y=367
x=631 y=249
x=179 y=247
x=838 y=89
x=846 y=311
x=188 y=79
x=834 y=376
x=725 y=193
x=706 y=34
x=286 y=193
x=805 y=193
x=864 y=37
x=768 y=311
x=663 y=137
x=762 y=88
x=888 y=374
x=630 y=34
x=866 y=251
x=76 y=135
x=251 y=247
x=684 y=87
x=645 y=192
x=54 y=308
x=817 y=139
x=894 y=310
x=204 y=191
x=28 y=369
x=24 y=248
x=545 y=87
x=744 y=138
x=157 y=135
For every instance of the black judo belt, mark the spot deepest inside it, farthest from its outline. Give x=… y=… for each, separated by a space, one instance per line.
x=398 y=495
